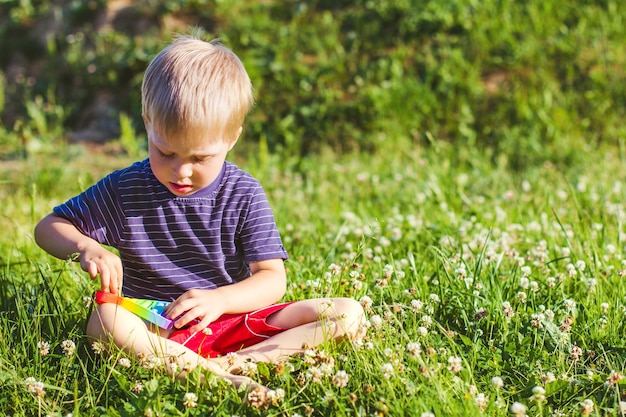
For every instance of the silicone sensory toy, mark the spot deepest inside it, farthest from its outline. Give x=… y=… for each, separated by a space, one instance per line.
x=150 y=310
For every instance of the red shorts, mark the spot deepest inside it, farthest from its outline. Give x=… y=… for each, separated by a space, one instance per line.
x=230 y=333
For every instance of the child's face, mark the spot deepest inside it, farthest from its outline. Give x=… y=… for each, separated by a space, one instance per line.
x=185 y=169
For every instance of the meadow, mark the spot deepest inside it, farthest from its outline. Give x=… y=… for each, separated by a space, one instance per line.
x=487 y=291
x=457 y=167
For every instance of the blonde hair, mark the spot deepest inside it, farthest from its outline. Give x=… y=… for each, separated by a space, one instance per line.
x=195 y=90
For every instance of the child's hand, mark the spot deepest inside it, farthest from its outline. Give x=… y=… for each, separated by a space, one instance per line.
x=204 y=305
x=96 y=260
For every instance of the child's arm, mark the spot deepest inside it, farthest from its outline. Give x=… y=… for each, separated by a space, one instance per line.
x=265 y=286
x=61 y=239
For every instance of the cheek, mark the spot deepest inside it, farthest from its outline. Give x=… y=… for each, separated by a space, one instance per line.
x=158 y=168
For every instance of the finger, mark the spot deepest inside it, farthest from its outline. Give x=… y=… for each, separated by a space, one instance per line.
x=203 y=321
x=113 y=285
x=201 y=325
x=120 y=276
x=189 y=317
x=180 y=306
x=92 y=269
x=114 y=280
x=105 y=278
x=171 y=310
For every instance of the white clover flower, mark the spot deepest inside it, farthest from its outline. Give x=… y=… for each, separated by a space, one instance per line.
x=518 y=409
x=174 y=367
x=35 y=387
x=248 y=368
x=414 y=348
x=137 y=388
x=231 y=357
x=190 y=400
x=44 y=347
x=575 y=353
x=461 y=272
x=481 y=401
x=427 y=321
x=275 y=396
x=604 y=307
x=539 y=394
x=387 y=370
x=569 y=304
x=571 y=270
x=497 y=382
x=97 y=347
x=314 y=373
x=376 y=321
x=366 y=302
x=507 y=309
x=455 y=364
x=87 y=300
x=327 y=368
x=587 y=407
x=422 y=331
x=341 y=379
x=536 y=320
x=124 y=362
x=580 y=265
x=151 y=363
x=524 y=283
x=417 y=305
x=334 y=269
x=69 y=347
x=434 y=298
x=309 y=356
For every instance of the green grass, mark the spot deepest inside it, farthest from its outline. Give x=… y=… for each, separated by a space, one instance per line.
x=484 y=227
x=439 y=242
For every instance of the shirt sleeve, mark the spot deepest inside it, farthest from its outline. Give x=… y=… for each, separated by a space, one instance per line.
x=97 y=212
x=259 y=235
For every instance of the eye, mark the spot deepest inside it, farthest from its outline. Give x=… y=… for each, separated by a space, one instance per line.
x=164 y=155
x=200 y=159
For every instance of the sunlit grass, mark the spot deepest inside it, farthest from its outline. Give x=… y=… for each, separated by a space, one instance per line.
x=487 y=292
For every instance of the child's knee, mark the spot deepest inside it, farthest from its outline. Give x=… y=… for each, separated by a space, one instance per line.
x=349 y=308
x=108 y=319
x=351 y=314
x=96 y=328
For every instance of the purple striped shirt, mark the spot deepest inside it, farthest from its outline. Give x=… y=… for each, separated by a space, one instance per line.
x=171 y=244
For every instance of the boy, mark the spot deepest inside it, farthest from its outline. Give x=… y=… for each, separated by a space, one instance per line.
x=193 y=229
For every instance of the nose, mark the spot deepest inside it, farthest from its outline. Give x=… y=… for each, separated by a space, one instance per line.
x=183 y=169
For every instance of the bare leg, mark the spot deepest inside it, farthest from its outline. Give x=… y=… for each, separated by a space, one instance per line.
x=309 y=323
x=110 y=322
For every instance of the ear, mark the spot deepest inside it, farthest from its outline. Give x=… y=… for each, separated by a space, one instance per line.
x=232 y=144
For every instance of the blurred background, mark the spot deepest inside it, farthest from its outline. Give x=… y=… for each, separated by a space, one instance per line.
x=527 y=81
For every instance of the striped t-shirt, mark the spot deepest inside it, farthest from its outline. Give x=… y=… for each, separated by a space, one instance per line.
x=171 y=244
